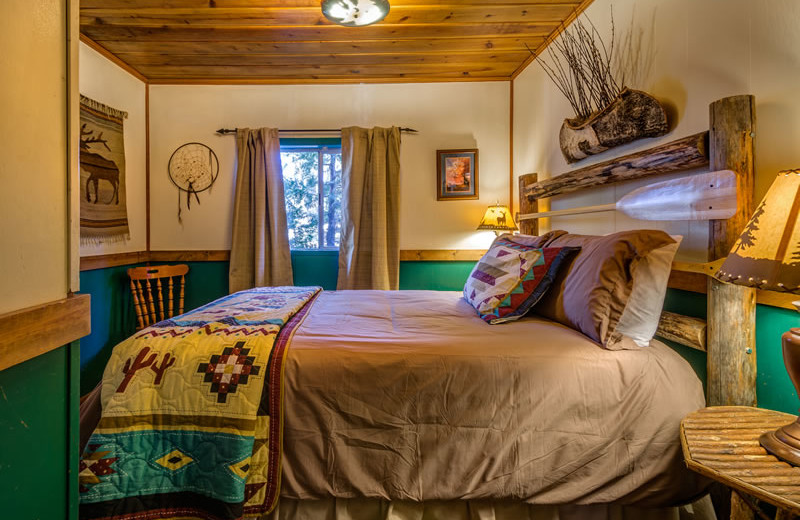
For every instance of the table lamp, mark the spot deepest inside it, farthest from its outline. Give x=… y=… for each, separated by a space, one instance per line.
x=498 y=218
x=767 y=256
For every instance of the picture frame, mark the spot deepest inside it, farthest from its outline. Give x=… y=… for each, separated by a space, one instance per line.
x=457 y=174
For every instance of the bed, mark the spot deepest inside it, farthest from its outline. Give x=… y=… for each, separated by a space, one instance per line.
x=408 y=398
x=407 y=404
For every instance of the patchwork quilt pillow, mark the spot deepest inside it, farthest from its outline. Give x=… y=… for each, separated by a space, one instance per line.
x=511 y=278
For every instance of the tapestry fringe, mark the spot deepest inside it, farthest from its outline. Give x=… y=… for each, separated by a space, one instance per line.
x=96 y=105
x=108 y=239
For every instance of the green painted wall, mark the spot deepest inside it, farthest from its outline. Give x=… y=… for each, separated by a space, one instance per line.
x=112 y=313
x=775 y=390
x=38 y=435
x=316 y=268
x=437 y=276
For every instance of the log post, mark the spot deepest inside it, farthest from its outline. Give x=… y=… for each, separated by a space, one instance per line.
x=731 y=308
x=684 y=330
x=526 y=205
x=731 y=316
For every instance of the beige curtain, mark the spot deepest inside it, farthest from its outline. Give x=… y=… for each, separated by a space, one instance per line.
x=369 y=252
x=260 y=254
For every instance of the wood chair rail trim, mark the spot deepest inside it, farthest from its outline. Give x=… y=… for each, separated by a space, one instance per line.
x=36 y=330
x=685 y=276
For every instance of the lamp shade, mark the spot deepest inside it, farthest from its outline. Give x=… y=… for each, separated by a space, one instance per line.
x=498 y=218
x=767 y=253
x=355 y=13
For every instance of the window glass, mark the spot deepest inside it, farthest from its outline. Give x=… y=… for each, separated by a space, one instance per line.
x=310 y=171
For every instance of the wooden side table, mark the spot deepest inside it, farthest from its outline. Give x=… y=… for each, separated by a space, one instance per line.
x=721 y=442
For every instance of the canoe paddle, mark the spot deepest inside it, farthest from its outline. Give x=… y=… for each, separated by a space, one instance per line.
x=706 y=196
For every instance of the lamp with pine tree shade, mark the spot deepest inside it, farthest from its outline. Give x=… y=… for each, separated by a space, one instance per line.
x=767 y=256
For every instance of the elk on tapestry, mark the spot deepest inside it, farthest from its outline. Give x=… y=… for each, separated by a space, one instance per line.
x=104 y=215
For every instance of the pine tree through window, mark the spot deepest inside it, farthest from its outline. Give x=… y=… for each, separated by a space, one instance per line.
x=312 y=177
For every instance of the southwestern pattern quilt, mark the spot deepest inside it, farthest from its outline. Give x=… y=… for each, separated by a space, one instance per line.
x=191 y=413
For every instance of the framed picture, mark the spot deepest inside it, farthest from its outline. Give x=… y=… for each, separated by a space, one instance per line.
x=457 y=174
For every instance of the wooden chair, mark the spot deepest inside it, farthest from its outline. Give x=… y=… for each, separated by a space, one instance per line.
x=148 y=296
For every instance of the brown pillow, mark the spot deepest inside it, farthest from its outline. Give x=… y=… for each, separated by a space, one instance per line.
x=590 y=292
x=532 y=240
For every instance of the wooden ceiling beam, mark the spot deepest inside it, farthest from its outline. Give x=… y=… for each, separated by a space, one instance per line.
x=130 y=69
x=568 y=20
x=289 y=41
x=323 y=32
x=227 y=4
x=381 y=70
x=310 y=16
x=277 y=60
x=316 y=80
x=444 y=45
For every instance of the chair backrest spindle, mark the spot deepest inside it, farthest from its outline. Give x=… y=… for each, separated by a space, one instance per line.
x=160 y=300
x=151 y=307
x=137 y=304
x=170 y=297
x=148 y=300
x=180 y=301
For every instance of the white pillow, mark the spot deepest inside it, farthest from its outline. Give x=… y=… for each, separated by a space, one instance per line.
x=639 y=320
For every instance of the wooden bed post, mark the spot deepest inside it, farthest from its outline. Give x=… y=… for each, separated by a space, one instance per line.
x=731 y=308
x=528 y=227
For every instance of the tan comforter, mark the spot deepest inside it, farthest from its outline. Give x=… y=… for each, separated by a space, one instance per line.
x=410 y=396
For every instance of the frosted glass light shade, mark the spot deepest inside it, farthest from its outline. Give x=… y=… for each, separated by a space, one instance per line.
x=498 y=218
x=767 y=253
x=355 y=13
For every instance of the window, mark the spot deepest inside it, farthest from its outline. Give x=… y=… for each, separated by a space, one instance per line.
x=312 y=177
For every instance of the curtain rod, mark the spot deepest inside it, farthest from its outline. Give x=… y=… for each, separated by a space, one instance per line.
x=223 y=131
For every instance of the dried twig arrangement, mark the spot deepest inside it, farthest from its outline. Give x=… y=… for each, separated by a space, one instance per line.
x=580 y=65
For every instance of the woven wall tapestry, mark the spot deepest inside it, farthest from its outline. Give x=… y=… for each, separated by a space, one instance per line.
x=104 y=215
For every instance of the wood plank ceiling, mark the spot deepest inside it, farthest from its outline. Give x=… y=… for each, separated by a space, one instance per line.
x=290 y=41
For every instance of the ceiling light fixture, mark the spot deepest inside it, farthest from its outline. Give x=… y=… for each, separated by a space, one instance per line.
x=355 y=13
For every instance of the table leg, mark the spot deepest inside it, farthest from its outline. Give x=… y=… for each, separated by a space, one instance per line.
x=740 y=509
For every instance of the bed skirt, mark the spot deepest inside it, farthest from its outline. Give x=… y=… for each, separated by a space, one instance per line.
x=366 y=509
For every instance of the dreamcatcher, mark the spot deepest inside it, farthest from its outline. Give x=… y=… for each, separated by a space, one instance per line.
x=193 y=168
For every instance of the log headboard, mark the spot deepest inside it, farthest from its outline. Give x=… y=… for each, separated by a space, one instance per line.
x=728 y=333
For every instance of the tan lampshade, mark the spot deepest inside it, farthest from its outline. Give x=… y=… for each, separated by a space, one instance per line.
x=498 y=218
x=767 y=254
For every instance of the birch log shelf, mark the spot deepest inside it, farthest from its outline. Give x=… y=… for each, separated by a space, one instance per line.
x=607 y=113
x=630 y=116
x=707 y=196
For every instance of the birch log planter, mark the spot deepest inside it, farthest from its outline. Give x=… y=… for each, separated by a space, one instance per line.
x=631 y=116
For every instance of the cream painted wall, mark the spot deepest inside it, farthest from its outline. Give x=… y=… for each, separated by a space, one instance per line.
x=691 y=52
x=33 y=153
x=103 y=81
x=447 y=115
